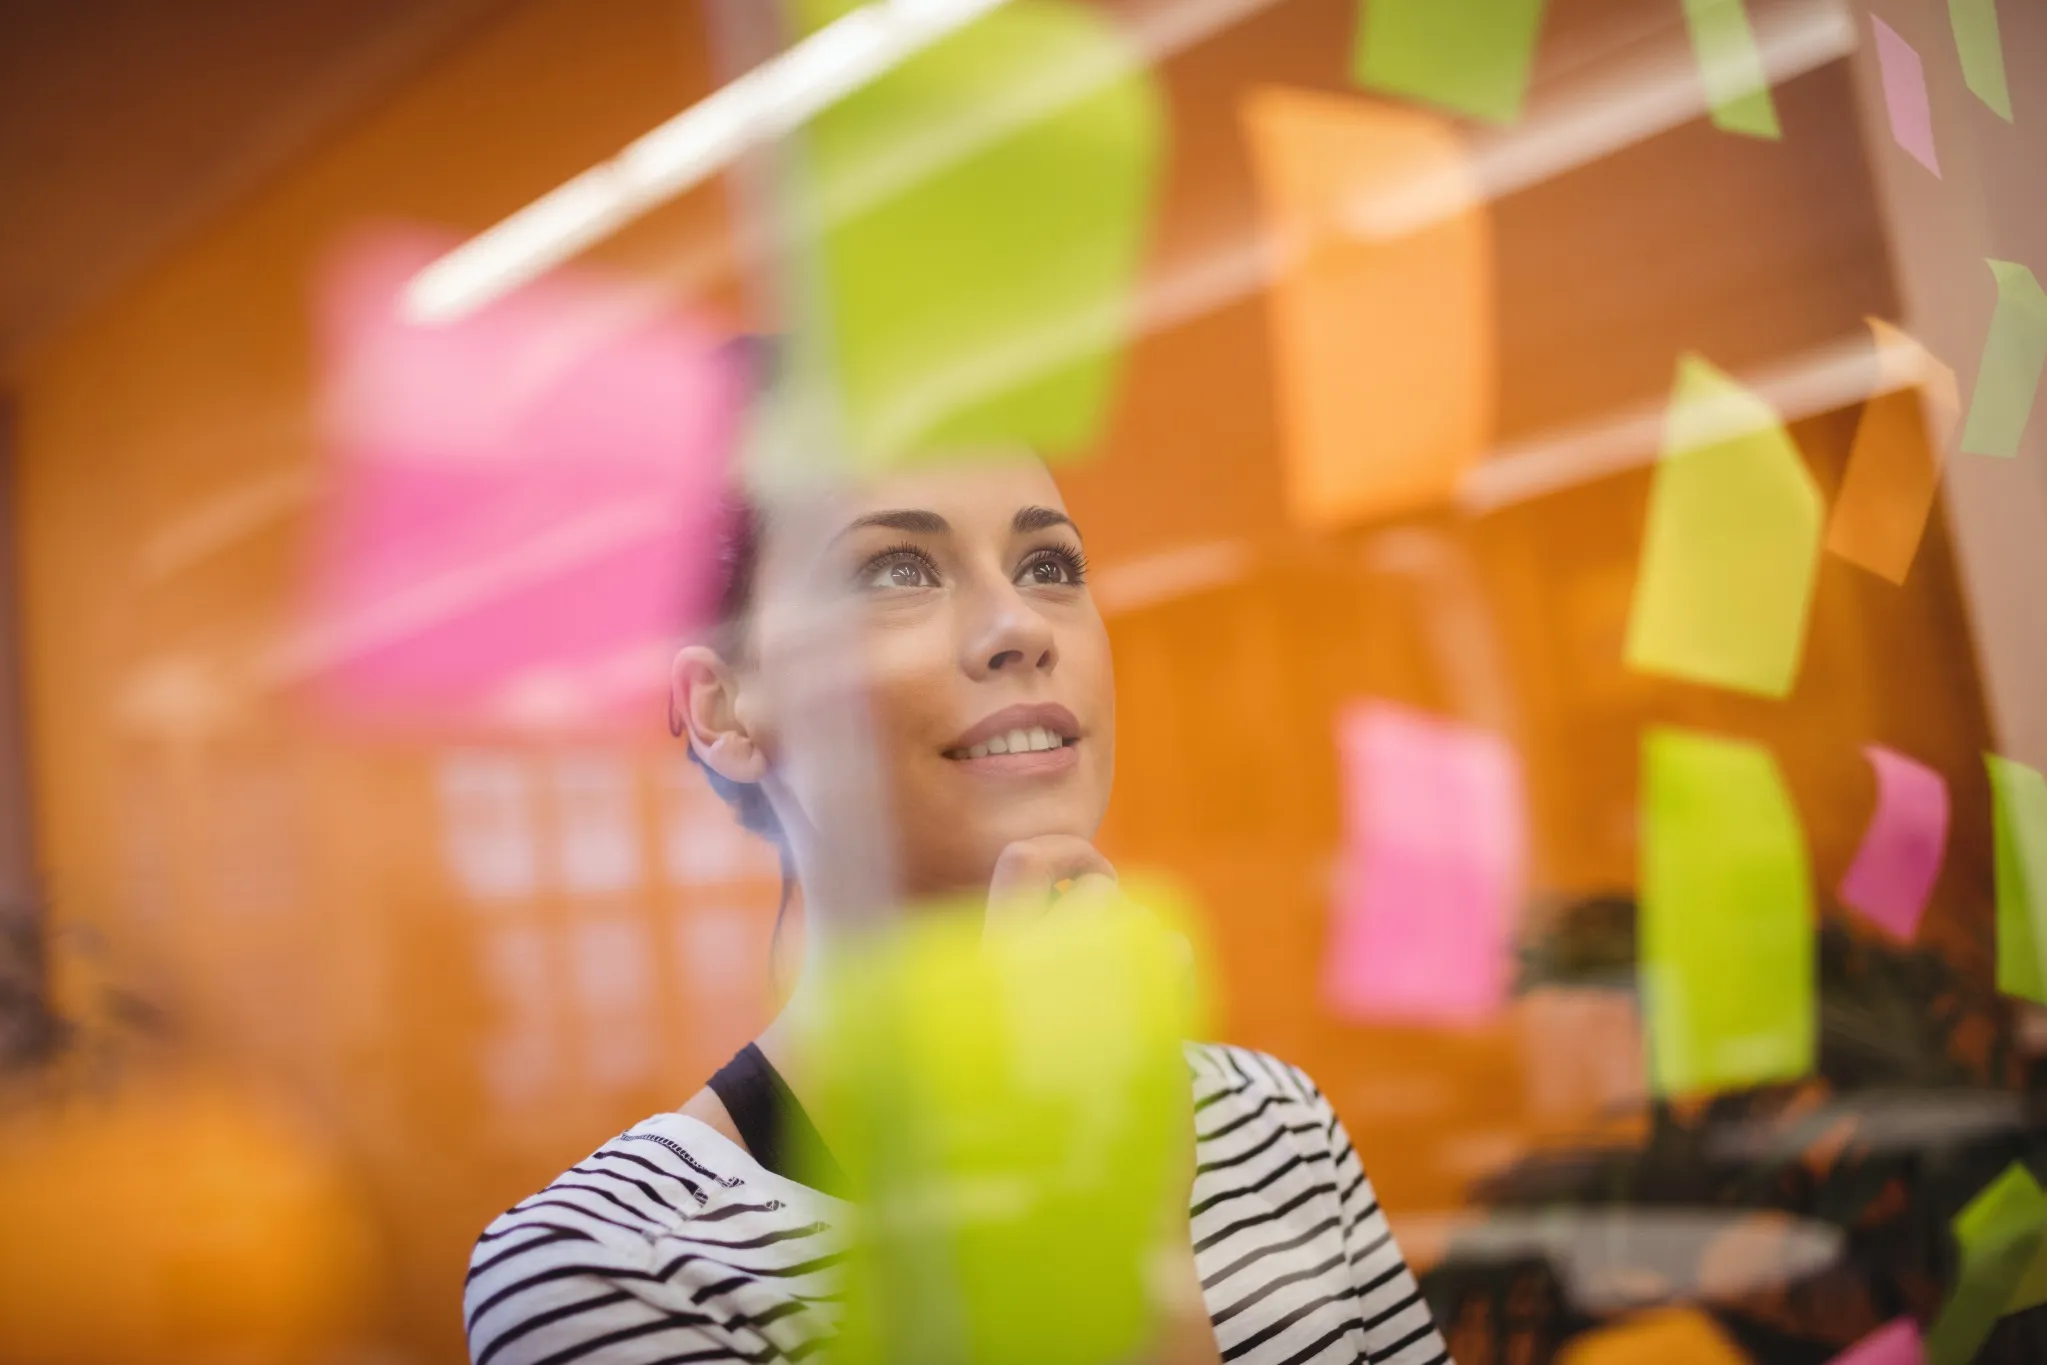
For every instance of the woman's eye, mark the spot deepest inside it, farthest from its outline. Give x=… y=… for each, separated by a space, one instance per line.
x=1052 y=570
x=897 y=572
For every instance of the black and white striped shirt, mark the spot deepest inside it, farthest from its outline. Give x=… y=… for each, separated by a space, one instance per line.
x=671 y=1244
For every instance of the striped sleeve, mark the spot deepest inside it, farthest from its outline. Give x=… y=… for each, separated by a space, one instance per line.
x=627 y=1260
x=1398 y=1326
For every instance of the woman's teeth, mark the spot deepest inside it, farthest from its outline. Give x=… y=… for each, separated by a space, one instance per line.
x=1017 y=742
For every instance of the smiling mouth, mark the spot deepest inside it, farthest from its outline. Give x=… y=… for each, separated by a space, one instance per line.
x=1032 y=740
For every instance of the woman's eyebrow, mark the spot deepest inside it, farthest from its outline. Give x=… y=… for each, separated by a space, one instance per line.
x=1030 y=519
x=914 y=520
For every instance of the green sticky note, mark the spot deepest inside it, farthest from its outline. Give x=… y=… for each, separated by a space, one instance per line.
x=1998 y=1234
x=2019 y=802
x=1731 y=544
x=1730 y=64
x=1726 y=955
x=979 y=216
x=2013 y=354
x=1469 y=56
x=1982 y=49
x=1013 y=1114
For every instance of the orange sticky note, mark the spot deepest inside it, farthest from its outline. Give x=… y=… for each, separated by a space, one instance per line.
x=1894 y=465
x=1381 y=309
x=1678 y=1336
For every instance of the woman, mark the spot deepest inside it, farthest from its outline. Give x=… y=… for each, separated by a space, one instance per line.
x=954 y=605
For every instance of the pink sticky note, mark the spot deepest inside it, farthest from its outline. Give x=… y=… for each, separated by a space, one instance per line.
x=1904 y=78
x=1435 y=853
x=1894 y=870
x=1895 y=1343
x=523 y=504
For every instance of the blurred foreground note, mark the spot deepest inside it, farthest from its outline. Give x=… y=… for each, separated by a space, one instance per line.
x=1013 y=1115
x=1998 y=1234
x=2013 y=354
x=1894 y=466
x=1737 y=86
x=1381 y=310
x=1726 y=955
x=1675 y=1336
x=1982 y=49
x=1730 y=547
x=981 y=213
x=2019 y=800
x=1899 y=860
x=1904 y=77
x=1895 y=1343
x=1469 y=56
x=524 y=504
x=1432 y=870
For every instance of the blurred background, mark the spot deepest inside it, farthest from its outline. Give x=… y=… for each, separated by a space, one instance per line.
x=351 y=886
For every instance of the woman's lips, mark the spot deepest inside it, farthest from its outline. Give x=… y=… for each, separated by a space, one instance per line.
x=1028 y=763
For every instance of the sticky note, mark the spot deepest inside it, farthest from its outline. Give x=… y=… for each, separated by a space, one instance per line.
x=1673 y=1336
x=2019 y=811
x=2013 y=354
x=1894 y=465
x=1468 y=56
x=521 y=507
x=1730 y=544
x=1011 y=1112
x=1982 y=50
x=1904 y=78
x=2031 y=1290
x=979 y=215
x=1726 y=926
x=1383 y=337
x=1895 y=1343
x=1730 y=64
x=1998 y=1233
x=1432 y=871
x=1899 y=859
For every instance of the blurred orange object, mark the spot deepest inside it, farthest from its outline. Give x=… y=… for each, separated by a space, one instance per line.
x=1382 y=312
x=173 y=1223
x=1894 y=466
x=1678 y=1336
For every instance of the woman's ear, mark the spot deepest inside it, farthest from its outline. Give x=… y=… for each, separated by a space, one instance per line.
x=703 y=706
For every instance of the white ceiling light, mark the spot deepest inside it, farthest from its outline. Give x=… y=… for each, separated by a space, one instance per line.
x=772 y=99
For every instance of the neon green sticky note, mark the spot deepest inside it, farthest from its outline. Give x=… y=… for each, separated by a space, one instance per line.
x=2013 y=354
x=979 y=215
x=1469 y=56
x=1012 y=1113
x=1982 y=49
x=1726 y=956
x=2019 y=803
x=1730 y=64
x=1998 y=1232
x=1731 y=545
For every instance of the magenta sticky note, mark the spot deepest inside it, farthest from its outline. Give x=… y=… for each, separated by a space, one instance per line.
x=521 y=510
x=1904 y=77
x=1895 y=1343
x=1899 y=860
x=1432 y=869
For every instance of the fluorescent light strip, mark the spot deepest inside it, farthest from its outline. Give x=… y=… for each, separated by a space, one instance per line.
x=774 y=98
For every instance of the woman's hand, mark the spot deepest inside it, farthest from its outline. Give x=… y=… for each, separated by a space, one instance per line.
x=1060 y=873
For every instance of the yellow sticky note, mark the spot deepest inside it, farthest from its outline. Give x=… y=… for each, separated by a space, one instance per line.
x=980 y=214
x=2013 y=355
x=1999 y=1232
x=1381 y=312
x=1730 y=64
x=1675 y=1336
x=1012 y=1113
x=1894 y=466
x=1470 y=56
x=1731 y=544
x=1726 y=922
x=1982 y=50
x=2019 y=808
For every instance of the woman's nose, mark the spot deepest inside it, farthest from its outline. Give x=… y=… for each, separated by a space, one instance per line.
x=1009 y=635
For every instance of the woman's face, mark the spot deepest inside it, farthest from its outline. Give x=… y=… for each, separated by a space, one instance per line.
x=954 y=605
